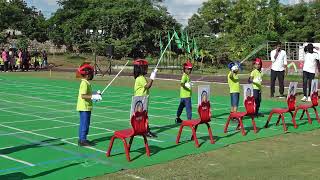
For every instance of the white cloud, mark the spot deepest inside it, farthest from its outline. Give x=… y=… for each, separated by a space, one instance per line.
x=182 y=10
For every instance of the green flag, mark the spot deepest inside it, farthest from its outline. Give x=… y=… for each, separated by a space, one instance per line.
x=183 y=39
x=187 y=44
x=177 y=40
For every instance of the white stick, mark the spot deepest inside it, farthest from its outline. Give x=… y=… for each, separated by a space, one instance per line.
x=164 y=52
x=114 y=78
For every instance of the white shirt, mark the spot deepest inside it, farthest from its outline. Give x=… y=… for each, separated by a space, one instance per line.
x=279 y=63
x=310 y=62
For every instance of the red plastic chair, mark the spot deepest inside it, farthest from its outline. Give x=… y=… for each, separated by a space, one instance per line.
x=291 y=101
x=204 y=111
x=305 y=107
x=139 y=122
x=250 y=106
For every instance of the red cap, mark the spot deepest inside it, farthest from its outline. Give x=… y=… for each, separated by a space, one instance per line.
x=85 y=66
x=257 y=61
x=140 y=62
x=187 y=65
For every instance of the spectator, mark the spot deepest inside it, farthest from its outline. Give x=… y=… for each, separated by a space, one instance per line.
x=278 y=69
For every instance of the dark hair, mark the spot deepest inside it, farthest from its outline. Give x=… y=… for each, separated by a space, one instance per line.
x=89 y=72
x=308 y=48
x=139 y=70
x=278 y=43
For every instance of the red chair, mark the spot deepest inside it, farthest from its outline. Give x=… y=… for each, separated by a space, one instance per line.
x=139 y=122
x=305 y=107
x=204 y=111
x=291 y=101
x=250 y=106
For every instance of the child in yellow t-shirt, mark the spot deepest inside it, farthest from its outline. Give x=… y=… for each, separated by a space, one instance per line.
x=234 y=86
x=185 y=92
x=256 y=80
x=141 y=85
x=84 y=104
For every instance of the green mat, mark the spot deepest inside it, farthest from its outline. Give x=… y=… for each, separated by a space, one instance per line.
x=39 y=128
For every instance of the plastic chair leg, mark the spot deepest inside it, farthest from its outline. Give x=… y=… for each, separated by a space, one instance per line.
x=210 y=133
x=242 y=127
x=146 y=145
x=125 y=145
x=179 y=134
x=308 y=115
x=227 y=124
x=316 y=112
x=283 y=123
x=195 y=137
x=267 y=123
x=110 y=146
x=254 y=125
x=294 y=118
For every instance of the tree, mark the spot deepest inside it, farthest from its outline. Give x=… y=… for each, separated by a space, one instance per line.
x=130 y=25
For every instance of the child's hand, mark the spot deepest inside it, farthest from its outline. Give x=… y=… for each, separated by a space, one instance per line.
x=96 y=97
x=153 y=74
x=187 y=85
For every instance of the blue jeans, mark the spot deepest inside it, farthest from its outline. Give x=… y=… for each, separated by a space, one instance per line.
x=234 y=99
x=185 y=102
x=84 y=125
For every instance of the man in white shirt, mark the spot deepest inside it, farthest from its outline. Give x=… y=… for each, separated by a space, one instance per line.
x=310 y=65
x=278 y=69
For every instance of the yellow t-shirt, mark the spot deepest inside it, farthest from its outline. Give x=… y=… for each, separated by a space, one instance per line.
x=234 y=83
x=139 y=85
x=185 y=93
x=257 y=78
x=83 y=104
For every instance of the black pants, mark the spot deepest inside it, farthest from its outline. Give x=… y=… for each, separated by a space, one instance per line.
x=25 y=66
x=307 y=79
x=6 y=65
x=257 y=99
x=274 y=76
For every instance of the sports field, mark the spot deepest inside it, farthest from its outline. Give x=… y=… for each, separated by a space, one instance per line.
x=39 y=127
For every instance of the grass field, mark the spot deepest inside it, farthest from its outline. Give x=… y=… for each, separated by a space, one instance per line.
x=39 y=128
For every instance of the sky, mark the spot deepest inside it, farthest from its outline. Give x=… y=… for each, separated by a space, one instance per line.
x=182 y=10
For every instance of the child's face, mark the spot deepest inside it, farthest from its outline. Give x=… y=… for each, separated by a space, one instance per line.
x=257 y=66
x=187 y=71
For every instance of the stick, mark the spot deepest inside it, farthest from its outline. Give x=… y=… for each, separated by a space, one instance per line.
x=164 y=52
x=253 y=52
x=114 y=78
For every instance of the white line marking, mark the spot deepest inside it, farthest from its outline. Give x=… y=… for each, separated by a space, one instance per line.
x=17 y=160
x=50 y=137
x=6 y=147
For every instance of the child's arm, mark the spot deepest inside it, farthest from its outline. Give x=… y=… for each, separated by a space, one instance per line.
x=149 y=84
x=86 y=96
x=184 y=86
x=250 y=80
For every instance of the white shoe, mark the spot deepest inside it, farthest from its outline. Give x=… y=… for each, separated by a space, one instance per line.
x=309 y=99
x=304 y=98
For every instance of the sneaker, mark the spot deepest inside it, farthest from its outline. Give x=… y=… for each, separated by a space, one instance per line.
x=309 y=99
x=272 y=96
x=281 y=96
x=178 y=121
x=84 y=143
x=304 y=99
